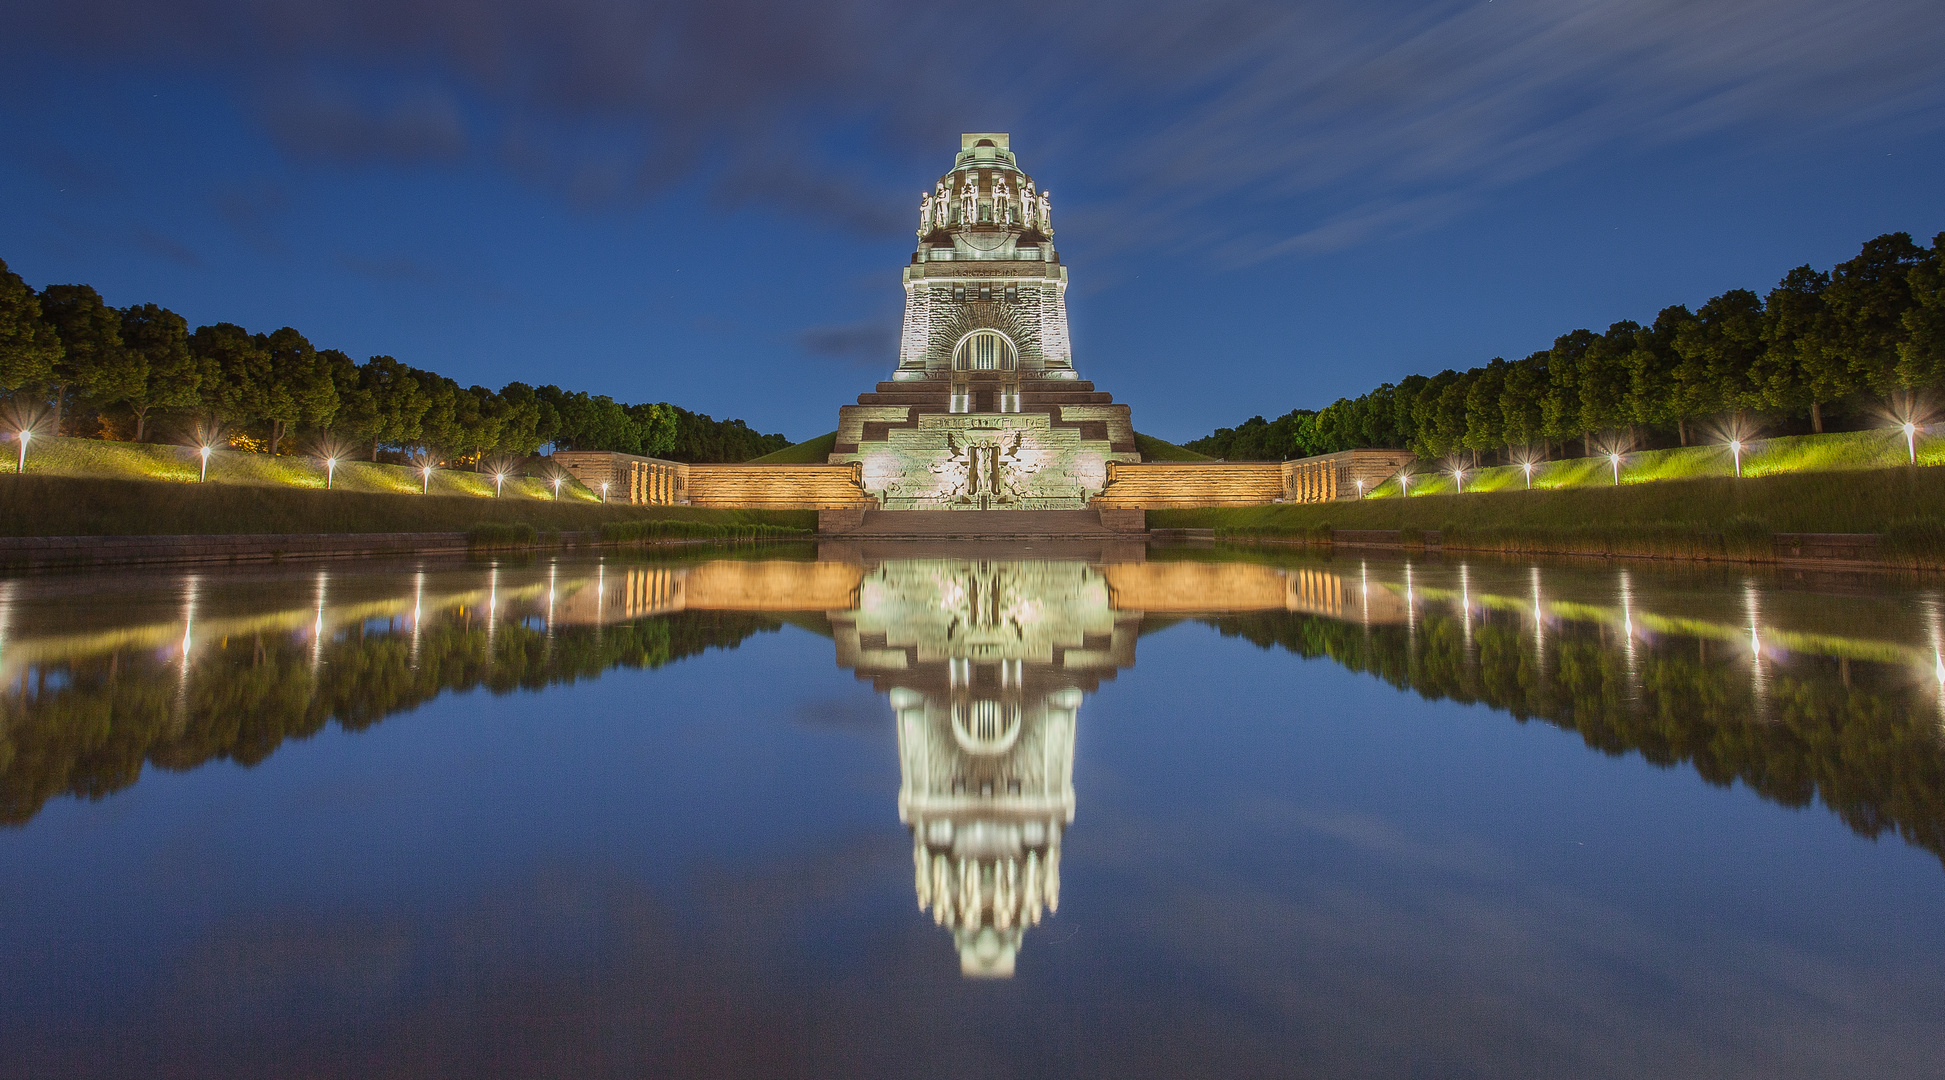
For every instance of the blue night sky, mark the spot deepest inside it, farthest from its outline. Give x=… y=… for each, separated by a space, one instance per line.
x=1263 y=206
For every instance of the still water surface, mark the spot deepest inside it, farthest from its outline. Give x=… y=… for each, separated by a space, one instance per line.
x=972 y=812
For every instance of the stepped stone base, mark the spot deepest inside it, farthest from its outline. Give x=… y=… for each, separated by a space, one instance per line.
x=989 y=525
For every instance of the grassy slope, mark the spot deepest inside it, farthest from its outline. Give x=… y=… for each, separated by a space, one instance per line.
x=1848 y=450
x=1852 y=501
x=156 y=461
x=81 y=487
x=1153 y=449
x=809 y=452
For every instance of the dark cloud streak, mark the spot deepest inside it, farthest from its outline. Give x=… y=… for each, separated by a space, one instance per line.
x=1246 y=129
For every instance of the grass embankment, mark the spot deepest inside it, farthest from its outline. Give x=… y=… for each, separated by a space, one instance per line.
x=623 y=533
x=809 y=452
x=43 y=505
x=1708 y=517
x=1153 y=449
x=1842 y=451
x=48 y=456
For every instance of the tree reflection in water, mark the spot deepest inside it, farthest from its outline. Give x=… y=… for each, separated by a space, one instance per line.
x=1821 y=692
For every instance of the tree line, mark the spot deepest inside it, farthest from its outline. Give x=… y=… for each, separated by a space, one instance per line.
x=1859 y=737
x=70 y=363
x=1821 y=347
x=88 y=726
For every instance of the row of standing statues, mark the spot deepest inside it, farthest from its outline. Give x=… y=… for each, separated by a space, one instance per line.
x=1029 y=209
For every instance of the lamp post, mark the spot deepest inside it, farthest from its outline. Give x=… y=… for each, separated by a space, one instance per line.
x=1459 y=477
x=499 y=482
x=330 y=472
x=1360 y=489
x=426 y=472
x=1404 y=485
x=1911 y=440
x=1527 y=468
x=205 y=476
x=1615 y=459
x=557 y=489
x=1735 y=447
x=604 y=491
x=25 y=434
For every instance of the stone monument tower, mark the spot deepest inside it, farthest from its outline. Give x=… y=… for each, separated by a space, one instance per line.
x=985 y=410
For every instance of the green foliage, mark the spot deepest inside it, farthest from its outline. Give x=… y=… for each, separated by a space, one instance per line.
x=29 y=347
x=698 y=438
x=171 y=377
x=94 y=363
x=67 y=345
x=1874 y=324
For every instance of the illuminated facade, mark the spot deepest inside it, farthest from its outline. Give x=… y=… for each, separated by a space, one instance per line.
x=985 y=409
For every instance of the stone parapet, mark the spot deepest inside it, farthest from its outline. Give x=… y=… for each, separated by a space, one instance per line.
x=776 y=487
x=1184 y=484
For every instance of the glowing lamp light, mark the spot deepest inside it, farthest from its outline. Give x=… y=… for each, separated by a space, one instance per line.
x=330 y=472
x=1459 y=476
x=1735 y=447
x=25 y=435
x=557 y=489
x=1360 y=489
x=1404 y=484
x=604 y=491
x=1911 y=440
x=426 y=472
x=205 y=476
x=1527 y=468
x=499 y=481
x=1615 y=460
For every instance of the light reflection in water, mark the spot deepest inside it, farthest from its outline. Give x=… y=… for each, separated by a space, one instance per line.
x=986 y=663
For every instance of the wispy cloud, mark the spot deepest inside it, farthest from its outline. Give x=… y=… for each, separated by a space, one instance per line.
x=871 y=343
x=1242 y=128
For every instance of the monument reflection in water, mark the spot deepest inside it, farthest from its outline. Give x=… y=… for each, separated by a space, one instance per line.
x=986 y=664
x=1831 y=693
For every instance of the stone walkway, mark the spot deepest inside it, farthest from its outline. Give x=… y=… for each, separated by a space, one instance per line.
x=981 y=525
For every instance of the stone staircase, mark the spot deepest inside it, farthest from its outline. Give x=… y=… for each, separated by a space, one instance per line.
x=978 y=525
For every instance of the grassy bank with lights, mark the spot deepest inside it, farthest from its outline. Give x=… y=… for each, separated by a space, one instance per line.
x=1841 y=452
x=83 y=487
x=1702 y=517
x=161 y=462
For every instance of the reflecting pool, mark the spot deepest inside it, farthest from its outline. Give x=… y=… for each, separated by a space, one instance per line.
x=992 y=811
